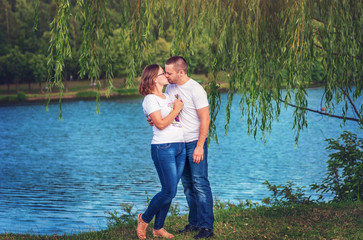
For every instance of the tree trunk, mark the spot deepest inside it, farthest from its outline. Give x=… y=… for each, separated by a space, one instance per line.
x=105 y=83
x=16 y=85
x=40 y=87
x=66 y=82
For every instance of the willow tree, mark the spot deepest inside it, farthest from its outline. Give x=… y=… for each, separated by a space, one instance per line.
x=270 y=49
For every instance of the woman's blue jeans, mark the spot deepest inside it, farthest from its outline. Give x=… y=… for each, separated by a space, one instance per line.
x=197 y=189
x=169 y=161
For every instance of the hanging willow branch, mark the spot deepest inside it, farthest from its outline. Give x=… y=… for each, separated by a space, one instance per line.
x=36 y=13
x=59 y=49
x=271 y=50
x=323 y=112
x=95 y=52
x=95 y=44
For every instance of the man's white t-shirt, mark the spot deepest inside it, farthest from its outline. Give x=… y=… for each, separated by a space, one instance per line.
x=194 y=97
x=173 y=132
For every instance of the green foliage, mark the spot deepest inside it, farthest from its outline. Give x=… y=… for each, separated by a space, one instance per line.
x=344 y=176
x=214 y=103
x=36 y=64
x=21 y=96
x=288 y=194
x=345 y=168
x=174 y=209
x=271 y=50
x=128 y=217
x=247 y=204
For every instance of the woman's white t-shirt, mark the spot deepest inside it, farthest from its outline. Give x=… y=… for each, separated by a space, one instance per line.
x=173 y=132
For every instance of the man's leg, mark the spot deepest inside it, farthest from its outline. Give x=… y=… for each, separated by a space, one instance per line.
x=187 y=182
x=202 y=190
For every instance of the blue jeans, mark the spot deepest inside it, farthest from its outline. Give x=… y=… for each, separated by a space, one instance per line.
x=197 y=189
x=169 y=161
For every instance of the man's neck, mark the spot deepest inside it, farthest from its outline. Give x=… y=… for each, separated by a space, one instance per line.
x=183 y=80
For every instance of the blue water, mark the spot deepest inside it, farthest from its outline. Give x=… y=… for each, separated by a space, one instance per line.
x=63 y=176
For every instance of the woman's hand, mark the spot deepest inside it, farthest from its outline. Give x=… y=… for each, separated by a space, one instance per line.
x=178 y=105
x=149 y=120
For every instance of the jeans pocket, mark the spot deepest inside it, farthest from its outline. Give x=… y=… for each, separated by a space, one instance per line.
x=164 y=146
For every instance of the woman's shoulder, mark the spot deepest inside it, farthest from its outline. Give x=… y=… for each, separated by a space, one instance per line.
x=152 y=98
x=149 y=98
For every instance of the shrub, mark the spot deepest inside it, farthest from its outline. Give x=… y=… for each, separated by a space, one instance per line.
x=21 y=96
x=128 y=217
x=345 y=168
x=287 y=195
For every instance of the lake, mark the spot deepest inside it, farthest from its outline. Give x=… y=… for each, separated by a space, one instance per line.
x=63 y=176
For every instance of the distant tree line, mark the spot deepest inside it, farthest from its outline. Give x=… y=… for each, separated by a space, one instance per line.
x=25 y=41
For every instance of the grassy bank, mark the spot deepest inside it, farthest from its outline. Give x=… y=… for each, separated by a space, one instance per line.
x=82 y=89
x=73 y=90
x=318 y=221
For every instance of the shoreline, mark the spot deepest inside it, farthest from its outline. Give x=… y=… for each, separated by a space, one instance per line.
x=10 y=100
x=13 y=99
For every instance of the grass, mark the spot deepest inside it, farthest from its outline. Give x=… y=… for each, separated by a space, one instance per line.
x=73 y=89
x=79 y=89
x=315 y=221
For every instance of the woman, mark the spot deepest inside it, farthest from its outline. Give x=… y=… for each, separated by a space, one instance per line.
x=167 y=147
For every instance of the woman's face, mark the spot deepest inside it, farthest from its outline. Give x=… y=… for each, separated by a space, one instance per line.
x=161 y=79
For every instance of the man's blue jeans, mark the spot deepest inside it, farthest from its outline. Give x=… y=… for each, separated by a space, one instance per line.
x=197 y=189
x=169 y=160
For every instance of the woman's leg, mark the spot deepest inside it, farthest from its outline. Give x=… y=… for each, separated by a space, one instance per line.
x=179 y=166
x=163 y=156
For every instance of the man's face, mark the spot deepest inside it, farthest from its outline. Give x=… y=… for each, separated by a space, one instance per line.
x=171 y=74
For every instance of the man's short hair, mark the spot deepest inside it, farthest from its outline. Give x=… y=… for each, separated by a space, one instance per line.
x=179 y=63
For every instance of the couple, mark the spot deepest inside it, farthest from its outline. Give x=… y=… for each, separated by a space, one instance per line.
x=180 y=118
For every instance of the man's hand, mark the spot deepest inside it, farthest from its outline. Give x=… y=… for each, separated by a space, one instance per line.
x=148 y=118
x=198 y=155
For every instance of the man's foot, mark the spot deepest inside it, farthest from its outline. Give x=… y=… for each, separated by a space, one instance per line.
x=204 y=233
x=188 y=228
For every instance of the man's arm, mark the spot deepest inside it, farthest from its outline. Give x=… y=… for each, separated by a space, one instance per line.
x=204 y=117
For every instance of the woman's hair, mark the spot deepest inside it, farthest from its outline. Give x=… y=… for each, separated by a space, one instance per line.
x=148 y=75
x=179 y=63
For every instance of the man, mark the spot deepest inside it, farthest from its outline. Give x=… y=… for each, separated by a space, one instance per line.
x=195 y=121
